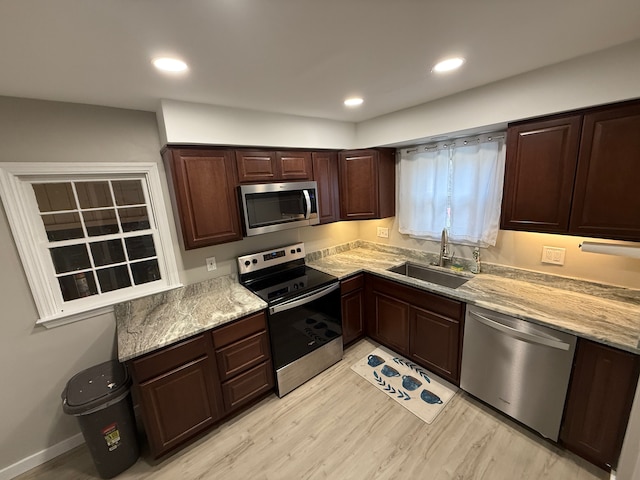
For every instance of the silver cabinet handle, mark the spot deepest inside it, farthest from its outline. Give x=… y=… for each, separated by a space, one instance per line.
x=515 y=333
x=304 y=300
x=307 y=200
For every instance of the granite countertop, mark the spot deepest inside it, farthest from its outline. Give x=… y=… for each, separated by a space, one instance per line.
x=603 y=313
x=152 y=322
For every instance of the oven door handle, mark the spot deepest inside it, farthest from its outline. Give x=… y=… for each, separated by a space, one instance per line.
x=304 y=300
x=307 y=200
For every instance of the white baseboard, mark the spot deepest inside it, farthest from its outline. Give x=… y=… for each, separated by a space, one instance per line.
x=40 y=457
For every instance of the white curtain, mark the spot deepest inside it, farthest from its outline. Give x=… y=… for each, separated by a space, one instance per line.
x=457 y=186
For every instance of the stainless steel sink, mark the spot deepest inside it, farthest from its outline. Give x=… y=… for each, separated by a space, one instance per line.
x=430 y=275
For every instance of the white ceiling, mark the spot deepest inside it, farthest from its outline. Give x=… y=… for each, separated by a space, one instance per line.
x=291 y=56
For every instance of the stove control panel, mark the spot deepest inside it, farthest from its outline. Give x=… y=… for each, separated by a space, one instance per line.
x=259 y=260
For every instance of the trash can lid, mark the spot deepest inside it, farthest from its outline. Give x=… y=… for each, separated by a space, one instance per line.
x=94 y=386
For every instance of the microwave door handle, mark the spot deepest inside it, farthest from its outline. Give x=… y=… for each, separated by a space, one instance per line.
x=307 y=200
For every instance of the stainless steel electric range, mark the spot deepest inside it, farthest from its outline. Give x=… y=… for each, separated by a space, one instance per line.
x=304 y=318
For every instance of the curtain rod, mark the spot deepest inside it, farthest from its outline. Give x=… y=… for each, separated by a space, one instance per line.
x=457 y=142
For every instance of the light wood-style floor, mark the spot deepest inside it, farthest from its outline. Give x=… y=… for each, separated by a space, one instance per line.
x=339 y=426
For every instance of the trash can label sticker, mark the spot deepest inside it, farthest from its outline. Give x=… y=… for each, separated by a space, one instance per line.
x=111 y=436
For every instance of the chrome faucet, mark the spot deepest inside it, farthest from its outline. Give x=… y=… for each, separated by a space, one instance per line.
x=444 y=248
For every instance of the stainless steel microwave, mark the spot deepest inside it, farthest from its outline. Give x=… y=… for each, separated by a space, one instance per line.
x=271 y=207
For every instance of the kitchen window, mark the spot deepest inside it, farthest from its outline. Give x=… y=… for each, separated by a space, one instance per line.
x=455 y=185
x=89 y=235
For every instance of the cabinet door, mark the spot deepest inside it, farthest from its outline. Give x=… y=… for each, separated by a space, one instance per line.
x=435 y=343
x=178 y=405
x=256 y=166
x=325 y=173
x=391 y=322
x=606 y=203
x=352 y=316
x=598 y=402
x=358 y=185
x=539 y=175
x=294 y=165
x=204 y=194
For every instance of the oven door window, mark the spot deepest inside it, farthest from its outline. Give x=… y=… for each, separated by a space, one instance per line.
x=302 y=329
x=275 y=207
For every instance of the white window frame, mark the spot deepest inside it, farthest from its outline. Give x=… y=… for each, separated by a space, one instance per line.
x=28 y=232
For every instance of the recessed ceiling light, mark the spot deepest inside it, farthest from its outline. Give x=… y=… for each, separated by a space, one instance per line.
x=448 y=64
x=169 y=64
x=353 y=102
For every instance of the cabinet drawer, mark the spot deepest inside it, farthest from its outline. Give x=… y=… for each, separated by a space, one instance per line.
x=238 y=330
x=247 y=386
x=168 y=358
x=239 y=356
x=351 y=284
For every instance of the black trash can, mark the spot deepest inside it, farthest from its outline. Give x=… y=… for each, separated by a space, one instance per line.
x=100 y=398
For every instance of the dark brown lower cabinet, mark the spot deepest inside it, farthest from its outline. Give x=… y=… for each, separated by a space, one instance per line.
x=352 y=294
x=599 y=402
x=425 y=327
x=178 y=404
x=390 y=322
x=186 y=388
x=435 y=342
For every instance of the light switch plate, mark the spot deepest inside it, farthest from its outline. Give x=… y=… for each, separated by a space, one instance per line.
x=553 y=255
x=211 y=264
x=383 y=232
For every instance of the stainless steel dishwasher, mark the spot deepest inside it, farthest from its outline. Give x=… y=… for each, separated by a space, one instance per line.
x=518 y=367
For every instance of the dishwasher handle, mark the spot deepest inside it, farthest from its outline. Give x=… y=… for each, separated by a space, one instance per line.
x=519 y=334
x=297 y=302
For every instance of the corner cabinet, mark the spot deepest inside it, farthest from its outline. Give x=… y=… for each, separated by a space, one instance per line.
x=423 y=326
x=202 y=184
x=572 y=174
x=599 y=401
x=186 y=388
x=367 y=184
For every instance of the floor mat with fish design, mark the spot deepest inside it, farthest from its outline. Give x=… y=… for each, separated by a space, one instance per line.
x=418 y=390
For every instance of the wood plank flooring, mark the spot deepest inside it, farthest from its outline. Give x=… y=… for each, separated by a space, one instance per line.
x=338 y=426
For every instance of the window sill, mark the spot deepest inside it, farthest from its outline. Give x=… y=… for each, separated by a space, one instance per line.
x=72 y=317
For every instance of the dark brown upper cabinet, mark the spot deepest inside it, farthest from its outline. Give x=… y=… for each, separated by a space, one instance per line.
x=539 y=173
x=325 y=173
x=367 y=184
x=605 y=199
x=203 y=192
x=264 y=166
x=574 y=174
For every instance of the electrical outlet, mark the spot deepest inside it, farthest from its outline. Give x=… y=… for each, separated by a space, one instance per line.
x=553 y=255
x=211 y=264
x=383 y=232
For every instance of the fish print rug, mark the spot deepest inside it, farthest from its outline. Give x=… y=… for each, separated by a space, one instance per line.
x=416 y=389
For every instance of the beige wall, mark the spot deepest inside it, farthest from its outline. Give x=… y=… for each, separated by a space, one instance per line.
x=35 y=362
x=524 y=250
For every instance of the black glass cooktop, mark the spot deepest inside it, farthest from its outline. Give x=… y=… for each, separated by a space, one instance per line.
x=281 y=286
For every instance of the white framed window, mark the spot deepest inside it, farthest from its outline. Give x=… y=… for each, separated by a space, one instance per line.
x=89 y=235
x=454 y=185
